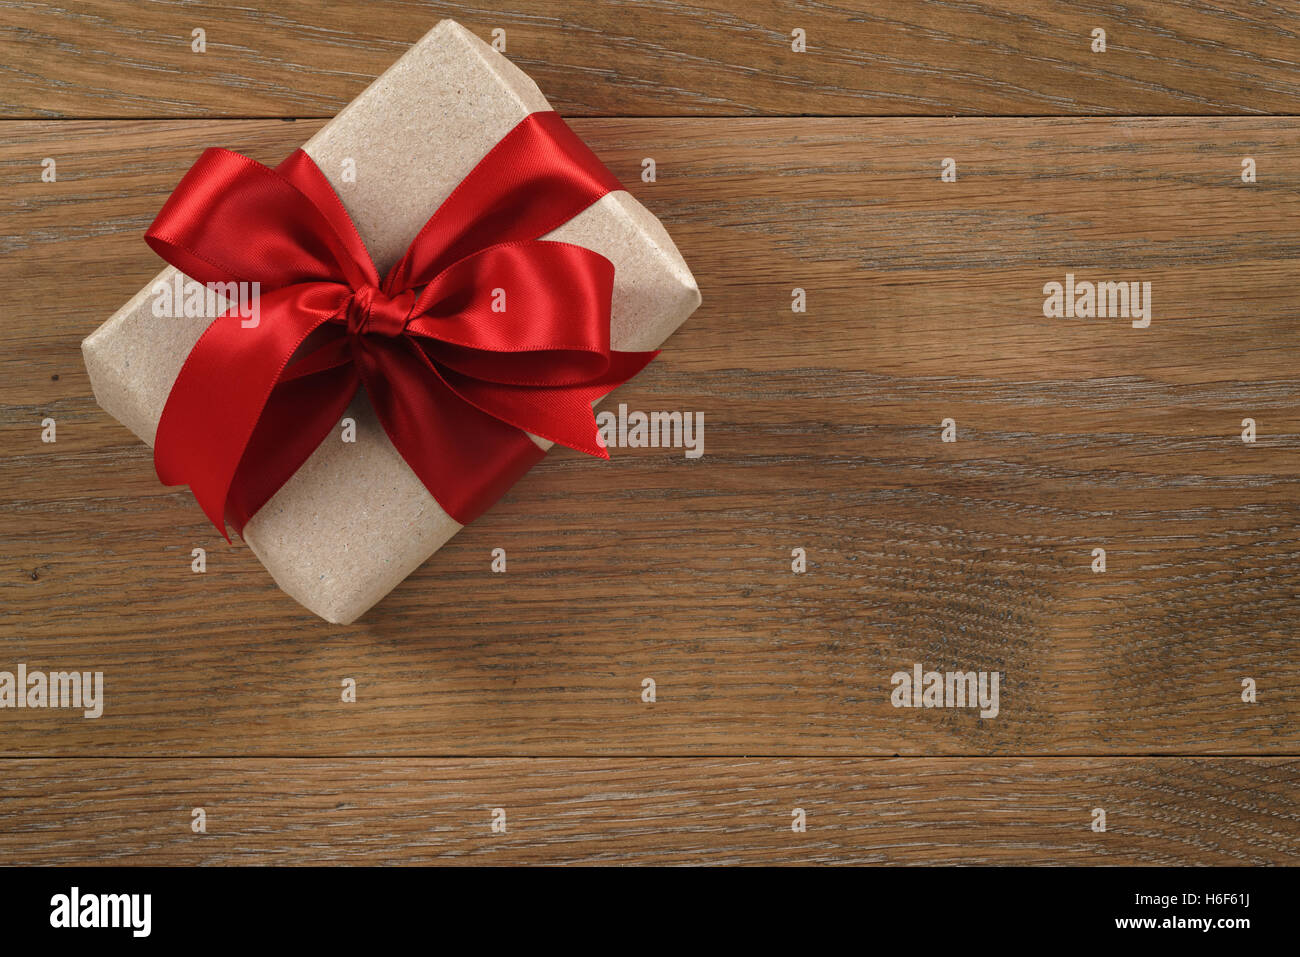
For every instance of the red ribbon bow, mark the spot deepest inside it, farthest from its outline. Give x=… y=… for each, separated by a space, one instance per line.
x=480 y=334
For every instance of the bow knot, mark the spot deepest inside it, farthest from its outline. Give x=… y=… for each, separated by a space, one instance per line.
x=369 y=310
x=460 y=385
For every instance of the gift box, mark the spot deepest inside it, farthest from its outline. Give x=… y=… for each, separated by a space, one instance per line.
x=354 y=519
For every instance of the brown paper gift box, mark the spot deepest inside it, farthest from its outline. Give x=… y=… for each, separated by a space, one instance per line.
x=326 y=537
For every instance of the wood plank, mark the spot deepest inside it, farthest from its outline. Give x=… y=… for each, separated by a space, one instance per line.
x=118 y=58
x=925 y=301
x=651 y=811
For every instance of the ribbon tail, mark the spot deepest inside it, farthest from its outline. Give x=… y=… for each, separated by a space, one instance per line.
x=563 y=413
x=226 y=381
x=302 y=411
x=465 y=458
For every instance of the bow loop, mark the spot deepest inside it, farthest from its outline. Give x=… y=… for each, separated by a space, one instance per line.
x=482 y=334
x=538 y=177
x=521 y=313
x=231 y=219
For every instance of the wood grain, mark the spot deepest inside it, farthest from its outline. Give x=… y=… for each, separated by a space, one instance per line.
x=475 y=690
x=119 y=58
x=822 y=432
x=651 y=811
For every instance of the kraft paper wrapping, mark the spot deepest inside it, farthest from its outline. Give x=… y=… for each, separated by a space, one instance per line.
x=354 y=521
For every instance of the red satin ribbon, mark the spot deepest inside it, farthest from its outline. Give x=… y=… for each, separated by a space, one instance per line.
x=455 y=384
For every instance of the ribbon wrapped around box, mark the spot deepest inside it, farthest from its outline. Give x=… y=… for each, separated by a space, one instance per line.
x=446 y=264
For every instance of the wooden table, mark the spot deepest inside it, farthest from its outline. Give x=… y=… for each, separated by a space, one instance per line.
x=1121 y=690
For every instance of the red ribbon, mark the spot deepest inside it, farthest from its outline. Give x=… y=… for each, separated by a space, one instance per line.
x=455 y=384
